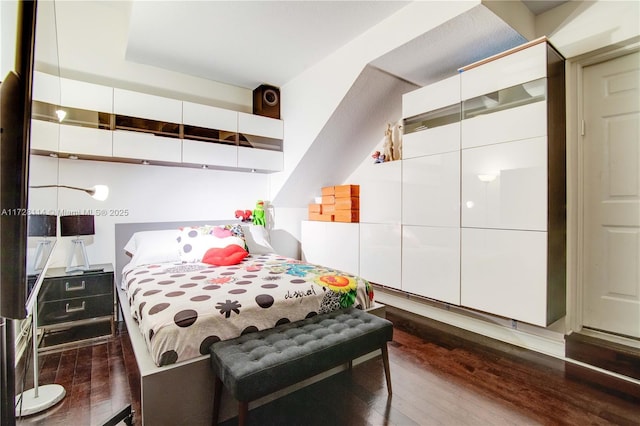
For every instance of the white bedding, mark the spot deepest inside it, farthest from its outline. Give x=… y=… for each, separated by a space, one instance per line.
x=183 y=308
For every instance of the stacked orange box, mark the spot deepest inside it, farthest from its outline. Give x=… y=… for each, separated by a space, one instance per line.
x=347 y=203
x=324 y=211
x=339 y=204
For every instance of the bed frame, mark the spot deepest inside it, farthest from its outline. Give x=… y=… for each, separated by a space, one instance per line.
x=181 y=393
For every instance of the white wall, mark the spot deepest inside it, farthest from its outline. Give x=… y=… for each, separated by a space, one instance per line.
x=8 y=24
x=146 y=194
x=576 y=28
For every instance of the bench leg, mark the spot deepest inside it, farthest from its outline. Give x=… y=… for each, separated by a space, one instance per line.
x=243 y=412
x=387 y=372
x=216 y=400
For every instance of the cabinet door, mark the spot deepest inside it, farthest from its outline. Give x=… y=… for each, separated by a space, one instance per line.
x=505 y=273
x=504 y=186
x=519 y=67
x=431 y=262
x=209 y=117
x=44 y=135
x=142 y=105
x=431 y=141
x=88 y=96
x=528 y=121
x=46 y=88
x=334 y=245
x=260 y=159
x=208 y=153
x=381 y=193
x=260 y=126
x=87 y=141
x=144 y=146
x=380 y=254
x=434 y=96
x=431 y=190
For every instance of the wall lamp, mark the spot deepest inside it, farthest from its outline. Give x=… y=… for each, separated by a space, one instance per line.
x=98 y=192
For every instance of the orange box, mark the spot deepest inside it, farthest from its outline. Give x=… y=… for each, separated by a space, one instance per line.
x=328 y=199
x=315 y=208
x=347 y=216
x=347 y=190
x=328 y=190
x=328 y=208
x=347 y=203
x=321 y=217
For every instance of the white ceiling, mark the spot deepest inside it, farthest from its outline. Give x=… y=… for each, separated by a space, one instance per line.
x=248 y=43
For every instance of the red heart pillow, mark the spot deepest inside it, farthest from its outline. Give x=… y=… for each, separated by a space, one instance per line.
x=229 y=255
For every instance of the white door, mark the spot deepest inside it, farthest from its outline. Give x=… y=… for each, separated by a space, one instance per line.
x=611 y=194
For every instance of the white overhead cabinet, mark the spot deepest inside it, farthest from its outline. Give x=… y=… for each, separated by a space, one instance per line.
x=122 y=125
x=146 y=147
x=45 y=127
x=86 y=96
x=260 y=159
x=86 y=141
x=260 y=140
x=142 y=105
x=45 y=136
x=209 y=135
x=514 y=185
x=86 y=128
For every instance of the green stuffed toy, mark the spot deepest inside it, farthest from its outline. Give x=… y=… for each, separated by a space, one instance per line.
x=258 y=214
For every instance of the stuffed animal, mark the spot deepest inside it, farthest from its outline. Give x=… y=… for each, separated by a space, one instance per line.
x=377 y=157
x=396 y=137
x=244 y=214
x=258 y=214
x=387 y=147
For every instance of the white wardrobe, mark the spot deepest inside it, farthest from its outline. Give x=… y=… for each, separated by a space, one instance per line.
x=481 y=220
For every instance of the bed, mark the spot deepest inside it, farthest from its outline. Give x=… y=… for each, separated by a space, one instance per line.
x=176 y=307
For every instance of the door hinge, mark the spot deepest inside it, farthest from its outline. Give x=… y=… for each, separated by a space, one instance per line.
x=582 y=126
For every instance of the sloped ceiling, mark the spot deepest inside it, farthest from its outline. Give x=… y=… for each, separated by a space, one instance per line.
x=439 y=53
x=357 y=125
x=347 y=137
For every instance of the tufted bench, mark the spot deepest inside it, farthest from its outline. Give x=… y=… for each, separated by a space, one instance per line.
x=257 y=364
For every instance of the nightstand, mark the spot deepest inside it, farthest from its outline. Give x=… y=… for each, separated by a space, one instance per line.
x=77 y=306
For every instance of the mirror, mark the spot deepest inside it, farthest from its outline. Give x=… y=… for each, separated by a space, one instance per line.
x=43 y=164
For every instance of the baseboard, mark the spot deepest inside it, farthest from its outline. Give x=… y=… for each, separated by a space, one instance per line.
x=608 y=355
x=548 y=342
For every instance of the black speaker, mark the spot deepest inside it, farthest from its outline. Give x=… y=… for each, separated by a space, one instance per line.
x=266 y=101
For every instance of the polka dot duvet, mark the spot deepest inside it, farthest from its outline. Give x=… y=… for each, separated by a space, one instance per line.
x=183 y=308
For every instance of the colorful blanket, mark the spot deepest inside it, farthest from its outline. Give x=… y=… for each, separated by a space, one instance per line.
x=183 y=308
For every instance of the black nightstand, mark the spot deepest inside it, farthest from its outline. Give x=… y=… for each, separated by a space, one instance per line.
x=76 y=307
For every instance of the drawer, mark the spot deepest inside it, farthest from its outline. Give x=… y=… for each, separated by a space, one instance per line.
x=74 y=287
x=80 y=308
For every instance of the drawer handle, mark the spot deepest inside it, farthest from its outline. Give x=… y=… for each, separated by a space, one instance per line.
x=69 y=309
x=69 y=287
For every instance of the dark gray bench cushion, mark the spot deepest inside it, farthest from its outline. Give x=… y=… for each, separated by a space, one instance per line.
x=257 y=364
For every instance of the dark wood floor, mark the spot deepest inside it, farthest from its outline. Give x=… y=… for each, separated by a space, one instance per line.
x=439 y=376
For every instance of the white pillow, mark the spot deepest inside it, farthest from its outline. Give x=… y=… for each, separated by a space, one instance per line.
x=257 y=238
x=153 y=247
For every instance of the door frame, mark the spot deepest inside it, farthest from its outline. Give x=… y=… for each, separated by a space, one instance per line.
x=575 y=172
